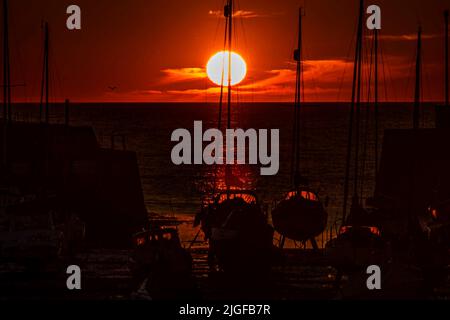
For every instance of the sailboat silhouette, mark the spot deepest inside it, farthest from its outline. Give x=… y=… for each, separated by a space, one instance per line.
x=300 y=216
x=240 y=239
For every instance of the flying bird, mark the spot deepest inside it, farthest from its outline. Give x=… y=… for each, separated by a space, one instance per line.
x=112 y=88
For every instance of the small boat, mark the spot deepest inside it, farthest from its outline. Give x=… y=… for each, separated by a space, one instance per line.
x=240 y=238
x=238 y=233
x=161 y=246
x=355 y=247
x=360 y=241
x=300 y=215
x=161 y=263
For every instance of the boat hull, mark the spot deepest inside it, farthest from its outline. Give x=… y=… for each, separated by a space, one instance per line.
x=242 y=250
x=239 y=236
x=299 y=219
x=356 y=249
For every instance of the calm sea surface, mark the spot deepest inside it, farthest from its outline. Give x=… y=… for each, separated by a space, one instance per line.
x=178 y=190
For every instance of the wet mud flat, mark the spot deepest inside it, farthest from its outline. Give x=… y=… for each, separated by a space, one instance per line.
x=107 y=275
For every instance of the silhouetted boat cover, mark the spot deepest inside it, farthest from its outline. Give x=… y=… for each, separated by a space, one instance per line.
x=360 y=242
x=350 y=250
x=239 y=235
x=162 y=263
x=237 y=229
x=300 y=216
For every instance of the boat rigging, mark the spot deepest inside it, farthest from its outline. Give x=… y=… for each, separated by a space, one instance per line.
x=300 y=216
x=240 y=239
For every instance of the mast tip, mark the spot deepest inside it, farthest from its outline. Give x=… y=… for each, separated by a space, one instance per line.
x=302 y=11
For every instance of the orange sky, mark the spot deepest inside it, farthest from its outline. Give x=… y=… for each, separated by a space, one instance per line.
x=157 y=50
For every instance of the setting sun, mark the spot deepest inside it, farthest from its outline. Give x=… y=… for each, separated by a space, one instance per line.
x=218 y=64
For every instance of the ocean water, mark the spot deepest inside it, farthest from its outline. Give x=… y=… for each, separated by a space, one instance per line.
x=178 y=190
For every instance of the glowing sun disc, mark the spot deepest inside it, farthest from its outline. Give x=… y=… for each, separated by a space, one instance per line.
x=218 y=64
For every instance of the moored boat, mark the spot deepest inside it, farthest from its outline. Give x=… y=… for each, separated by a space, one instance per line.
x=300 y=216
x=360 y=241
x=160 y=262
x=239 y=236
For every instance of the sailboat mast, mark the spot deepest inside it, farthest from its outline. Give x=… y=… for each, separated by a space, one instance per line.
x=6 y=66
x=298 y=95
x=5 y=39
x=376 y=107
x=230 y=37
x=229 y=16
x=222 y=79
x=355 y=104
x=416 y=112
x=6 y=85
x=447 y=102
x=358 y=108
x=45 y=78
x=46 y=73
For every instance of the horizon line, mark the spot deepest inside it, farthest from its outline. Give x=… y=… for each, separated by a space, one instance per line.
x=207 y=102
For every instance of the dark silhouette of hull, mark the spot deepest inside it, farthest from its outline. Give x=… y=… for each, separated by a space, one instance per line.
x=242 y=244
x=239 y=237
x=300 y=217
x=356 y=247
x=165 y=267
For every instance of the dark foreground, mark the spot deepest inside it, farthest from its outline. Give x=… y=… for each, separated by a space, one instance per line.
x=303 y=275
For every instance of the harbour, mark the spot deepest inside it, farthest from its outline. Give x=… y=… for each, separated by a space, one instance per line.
x=346 y=200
